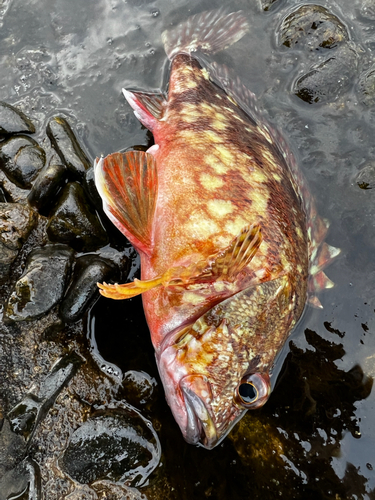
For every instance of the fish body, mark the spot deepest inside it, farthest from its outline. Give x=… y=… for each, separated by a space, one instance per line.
x=226 y=232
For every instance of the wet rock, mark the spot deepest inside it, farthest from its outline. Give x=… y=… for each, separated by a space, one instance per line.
x=21 y=159
x=115 y=444
x=22 y=483
x=46 y=186
x=327 y=81
x=75 y=222
x=12 y=192
x=16 y=223
x=91 y=188
x=267 y=4
x=3 y=198
x=366 y=87
x=88 y=271
x=42 y=284
x=365 y=179
x=314 y=27
x=13 y=121
x=67 y=147
x=20 y=423
x=139 y=387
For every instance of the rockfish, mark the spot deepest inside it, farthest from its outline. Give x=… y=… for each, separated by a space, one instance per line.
x=231 y=246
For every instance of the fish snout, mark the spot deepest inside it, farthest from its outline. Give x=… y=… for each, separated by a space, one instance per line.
x=200 y=426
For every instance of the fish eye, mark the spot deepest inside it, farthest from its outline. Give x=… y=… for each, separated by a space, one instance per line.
x=248 y=393
x=253 y=391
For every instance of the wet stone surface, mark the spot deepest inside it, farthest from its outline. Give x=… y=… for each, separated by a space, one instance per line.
x=47 y=185
x=83 y=291
x=67 y=147
x=16 y=223
x=366 y=87
x=365 y=178
x=312 y=27
x=42 y=284
x=21 y=159
x=75 y=222
x=329 y=79
x=13 y=121
x=116 y=445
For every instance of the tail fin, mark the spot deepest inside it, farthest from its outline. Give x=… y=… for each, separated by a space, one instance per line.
x=208 y=32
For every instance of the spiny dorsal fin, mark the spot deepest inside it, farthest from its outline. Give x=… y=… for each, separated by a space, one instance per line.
x=224 y=266
x=209 y=31
x=127 y=183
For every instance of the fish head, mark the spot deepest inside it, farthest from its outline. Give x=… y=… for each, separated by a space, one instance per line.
x=209 y=382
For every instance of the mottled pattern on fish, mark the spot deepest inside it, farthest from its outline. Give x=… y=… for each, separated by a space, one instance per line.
x=230 y=173
x=226 y=231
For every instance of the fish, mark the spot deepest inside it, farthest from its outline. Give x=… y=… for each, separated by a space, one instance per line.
x=230 y=242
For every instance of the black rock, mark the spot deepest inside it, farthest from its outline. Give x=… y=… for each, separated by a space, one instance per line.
x=88 y=271
x=21 y=159
x=75 y=222
x=327 y=81
x=42 y=284
x=91 y=189
x=67 y=147
x=16 y=223
x=116 y=444
x=13 y=121
x=138 y=386
x=313 y=27
x=47 y=185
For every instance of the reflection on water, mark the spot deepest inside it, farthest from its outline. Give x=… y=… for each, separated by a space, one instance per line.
x=315 y=438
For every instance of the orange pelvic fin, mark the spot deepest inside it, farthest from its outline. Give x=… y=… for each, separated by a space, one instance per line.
x=223 y=266
x=127 y=184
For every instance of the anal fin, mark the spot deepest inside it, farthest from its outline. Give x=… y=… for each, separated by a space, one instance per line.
x=127 y=184
x=148 y=107
x=223 y=266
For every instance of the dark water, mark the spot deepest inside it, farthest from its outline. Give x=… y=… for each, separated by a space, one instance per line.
x=315 y=438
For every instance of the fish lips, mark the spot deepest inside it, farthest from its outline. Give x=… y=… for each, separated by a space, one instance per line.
x=200 y=426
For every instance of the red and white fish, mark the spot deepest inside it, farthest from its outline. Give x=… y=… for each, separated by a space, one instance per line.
x=230 y=243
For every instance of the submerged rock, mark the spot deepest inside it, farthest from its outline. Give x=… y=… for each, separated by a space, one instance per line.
x=13 y=121
x=16 y=223
x=312 y=26
x=67 y=147
x=115 y=444
x=88 y=271
x=139 y=387
x=328 y=80
x=42 y=284
x=21 y=159
x=365 y=178
x=75 y=222
x=367 y=86
x=46 y=186
x=22 y=483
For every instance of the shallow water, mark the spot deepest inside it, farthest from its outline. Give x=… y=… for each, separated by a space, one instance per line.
x=315 y=438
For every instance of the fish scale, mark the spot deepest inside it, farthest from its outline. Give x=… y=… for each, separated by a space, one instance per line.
x=230 y=241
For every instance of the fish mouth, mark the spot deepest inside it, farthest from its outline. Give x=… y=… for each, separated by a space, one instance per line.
x=200 y=427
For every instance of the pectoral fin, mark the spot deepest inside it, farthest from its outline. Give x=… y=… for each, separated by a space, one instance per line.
x=127 y=184
x=223 y=266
